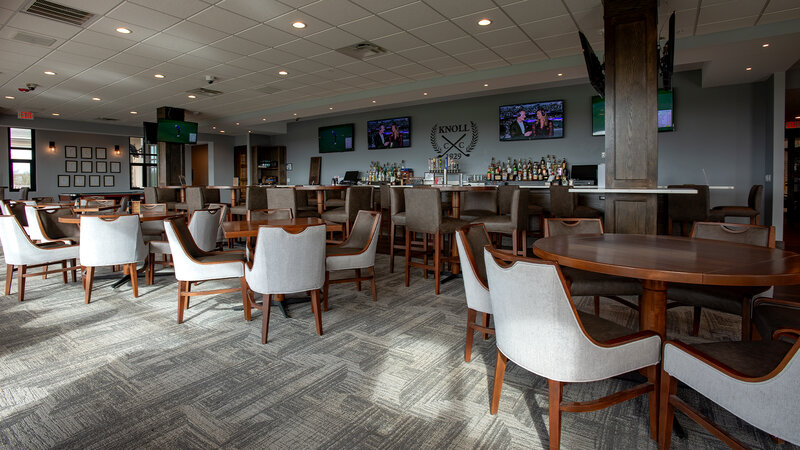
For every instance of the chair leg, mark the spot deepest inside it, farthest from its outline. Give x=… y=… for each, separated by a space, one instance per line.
x=485 y=323
x=698 y=312
x=181 y=298
x=653 y=373
x=245 y=300
x=666 y=415
x=9 y=276
x=21 y=280
x=596 y=305
x=472 y=315
x=64 y=273
x=555 y=392
x=391 y=247
x=746 y=335
x=515 y=242
x=325 y=290
x=669 y=226
x=265 y=304
x=499 y=374
x=437 y=259
x=74 y=270
x=87 y=284
x=374 y=289
x=134 y=279
x=150 y=275
x=425 y=255
x=358 y=279
x=46 y=268
x=408 y=252
x=315 y=308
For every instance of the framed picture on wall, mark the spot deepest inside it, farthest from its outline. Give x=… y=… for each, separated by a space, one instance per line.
x=100 y=152
x=94 y=180
x=71 y=166
x=79 y=180
x=63 y=181
x=108 y=180
x=70 y=151
x=101 y=167
x=86 y=152
x=86 y=167
x=116 y=167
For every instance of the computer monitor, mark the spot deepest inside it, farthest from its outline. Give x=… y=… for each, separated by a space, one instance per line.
x=351 y=177
x=584 y=174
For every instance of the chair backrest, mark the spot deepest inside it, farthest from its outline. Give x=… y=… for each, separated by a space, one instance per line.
x=256 y=198
x=519 y=209
x=268 y=214
x=689 y=207
x=562 y=201
x=504 y=198
x=23 y=193
x=150 y=195
x=123 y=204
x=210 y=195
x=755 y=198
x=16 y=209
x=763 y=236
x=107 y=241
x=364 y=235
x=100 y=203
x=194 y=198
x=282 y=198
x=397 y=200
x=182 y=247
x=386 y=196
x=568 y=227
x=479 y=201
x=153 y=207
x=34 y=228
x=18 y=249
x=164 y=195
x=470 y=241
x=223 y=207
x=423 y=210
x=204 y=227
x=357 y=199
x=51 y=228
x=285 y=262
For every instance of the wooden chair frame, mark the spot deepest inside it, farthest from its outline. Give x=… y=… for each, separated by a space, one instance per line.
x=472 y=315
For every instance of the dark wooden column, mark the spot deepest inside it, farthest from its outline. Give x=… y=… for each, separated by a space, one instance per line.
x=631 y=113
x=171 y=158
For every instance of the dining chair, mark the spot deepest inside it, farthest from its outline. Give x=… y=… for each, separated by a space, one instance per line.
x=729 y=299
x=477 y=204
x=755 y=201
x=193 y=265
x=538 y=328
x=357 y=252
x=111 y=241
x=397 y=218
x=286 y=262
x=772 y=314
x=356 y=199
x=471 y=240
x=512 y=220
x=334 y=199
x=756 y=381
x=304 y=208
x=687 y=208
x=153 y=229
x=223 y=216
x=424 y=215
x=23 y=193
x=34 y=229
x=269 y=214
x=204 y=226
x=124 y=204
x=52 y=230
x=282 y=198
x=587 y=283
x=20 y=252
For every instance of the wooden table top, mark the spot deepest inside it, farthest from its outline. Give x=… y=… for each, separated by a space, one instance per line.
x=144 y=216
x=322 y=187
x=244 y=229
x=673 y=259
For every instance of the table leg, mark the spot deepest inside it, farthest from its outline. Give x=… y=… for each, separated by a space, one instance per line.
x=455 y=199
x=653 y=307
x=320 y=201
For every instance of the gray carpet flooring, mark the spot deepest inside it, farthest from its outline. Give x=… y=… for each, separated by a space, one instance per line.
x=121 y=373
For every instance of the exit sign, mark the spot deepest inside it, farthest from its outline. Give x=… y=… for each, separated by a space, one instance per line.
x=27 y=115
x=793 y=124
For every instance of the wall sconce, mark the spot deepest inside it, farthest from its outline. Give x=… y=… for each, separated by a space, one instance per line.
x=52 y=147
x=116 y=150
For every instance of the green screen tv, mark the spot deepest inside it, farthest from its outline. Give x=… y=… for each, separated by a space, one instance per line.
x=336 y=138
x=665 y=108
x=177 y=131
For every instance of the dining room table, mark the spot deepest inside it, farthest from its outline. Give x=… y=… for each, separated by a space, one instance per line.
x=658 y=260
x=144 y=216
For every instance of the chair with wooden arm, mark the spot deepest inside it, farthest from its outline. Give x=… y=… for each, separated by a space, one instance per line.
x=355 y=253
x=193 y=264
x=52 y=230
x=773 y=314
x=538 y=328
x=470 y=241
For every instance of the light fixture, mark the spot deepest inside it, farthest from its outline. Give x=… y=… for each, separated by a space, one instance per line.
x=124 y=30
x=134 y=112
x=56 y=114
x=424 y=93
x=9 y=97
x=295 y=114
x=748 y=68
x=213 y=128
x=221 y=131
x=116 y=150
x=249 y=131
x=49 y=72
x=264 y=119
x=97 y=99
x=485 y=84
x=797 y=117
x=283 y=72
x=158 y=75
x=237 y=124
x=299 y=24
x=374 y=101
x=765 y=45
x=331 y=108
x=561 y=74
x=192 y=96
x=484 y=22
x=52 y=146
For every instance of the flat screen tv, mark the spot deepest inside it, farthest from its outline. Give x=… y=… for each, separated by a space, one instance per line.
x=177 y=131
x=336 y=138
x=665 y=116
x=542 y=120
x=389 y=133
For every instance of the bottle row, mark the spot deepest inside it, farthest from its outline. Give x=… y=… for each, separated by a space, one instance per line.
x=547 y=169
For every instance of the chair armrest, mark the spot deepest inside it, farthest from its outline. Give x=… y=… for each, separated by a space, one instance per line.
x=638 y=336
x=726 y=370
x=57 y=247
x=776 y=301
x=791 y=333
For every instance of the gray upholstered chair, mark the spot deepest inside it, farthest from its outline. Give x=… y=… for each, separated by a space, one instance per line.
x=107 y=241
x=355 y=253
x=304 y=209
x=584 y=282
x=255 y=198
x=564 y=203
x=16 y=209
x=222 y=218
x=470 y=241
x=168 y=196
x=334 y=199
x=268 y=214
x=52 y=230
x=193 y=264
x=757 y=381
x=282 y=198
x=124 y=204
x=397 y=217
x=23 y=193
x=687 y=208
x=34 y=229
x=204 y=226
x=513 y=220
x=752 y=211
x=200 y=197
x=538 y=328
x=153 y=229
x=357 y=198
x=477 y=204
x=772 y=314
x=150 y=195
x=424 y=215
x=285 y=263
x=730 y=299
x=21 y=252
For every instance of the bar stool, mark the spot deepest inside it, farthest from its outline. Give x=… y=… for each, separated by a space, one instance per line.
x=477 y=204
x=564 y=203
x=752 y=211
x=424 y=215
x=512 y=220
x=687 y=208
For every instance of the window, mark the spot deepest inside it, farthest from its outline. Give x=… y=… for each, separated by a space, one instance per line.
x=144 y=163
x=21 y=159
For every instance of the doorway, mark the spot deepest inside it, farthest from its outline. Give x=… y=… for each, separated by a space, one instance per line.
x=200 y=165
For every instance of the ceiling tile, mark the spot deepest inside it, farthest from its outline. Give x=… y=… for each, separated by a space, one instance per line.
x=454 y=70
x=478 y=56
x=561 y=52
x=412 y=15
x=358 y=67
x=172 y=71
x=275 y=56
x=136 y=60
x=470 y=21
x=332 y=59
x=438 y=32
x=567 y=40
x=513 y=50
x=439 y=63
x=549 y=27
x=195 y=32
x=23 y=48
x=5 y=14
x=109 y=27
x=579 y=5
x=124 y=70
x=380 y=6
x=410 y=69
x=334 y=38
x=460 y=45
x=261 y=10
x=780 y=5
x=182 y=8
x=730 y=10
x=251 y=64
x=298 y=3
x=78 y=60
x=423 y=53
x=284 y=23
x=173 y=43
x=390 y=61
x=458 y=8
x=399 y=42
x=335 y=12
x=103 y=40
x=79 y=48
x=305 y=66
x=489 y=64
x=266 y=35
x=588 y=19
x=726 y=25
x=151 y=51
x=43 y=26
x=530 y=11
x=371 y=27
x=502 y=36
x=146 y=17
x=215 y=54
x=302 y=47
x=222 y=20
x=238 y=45
x=789 y=14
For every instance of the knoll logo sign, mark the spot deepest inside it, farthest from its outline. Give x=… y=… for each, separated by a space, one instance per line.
x=457 y=140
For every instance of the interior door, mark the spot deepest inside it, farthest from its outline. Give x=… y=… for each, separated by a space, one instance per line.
x=200 y=165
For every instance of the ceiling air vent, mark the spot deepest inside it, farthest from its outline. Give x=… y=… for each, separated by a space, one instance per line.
x=61 y=13
x=362 y=50
x=268 y=90
x=107 y=119
x=44 y=41
x=204 y=92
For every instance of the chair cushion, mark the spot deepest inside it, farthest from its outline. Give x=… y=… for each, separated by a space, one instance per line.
x=721 y=298
x=471 y=215
x=217 y=257
x=239 y=210
x=584 y=282
x=734 y=211
x=496 y=224
x=752 y=358
x=399 y=219
x=600 y=329
x=450 y=225
x=337 y=215
x=161 y=247
x=769 y=317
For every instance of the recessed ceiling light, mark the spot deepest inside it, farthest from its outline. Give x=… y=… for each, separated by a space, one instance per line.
x=485 y=84
x=213 y=128
x=299 y=24
x=9 y=97
x=124 y=30
x=221 y=131
x=158 y=75
x=56 y=114
x=264 y=119
x=331 y=108
x=765 y=45
x=295 y=114
x=97 y=99
x=192 y=96
x=237 y=124
x=49 y=72
x=374 y=101
x=283 y=72
x=424 y=93
x=748 y=68
x=797 y=117
x=484 y=22
x=249 y=131
x=561 y=74
x=134 y=112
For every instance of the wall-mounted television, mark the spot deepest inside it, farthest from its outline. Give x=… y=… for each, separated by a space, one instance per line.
x=665 y=115
x=389 y=133
x=177 y=131
x=525 y=121
x=336 y=138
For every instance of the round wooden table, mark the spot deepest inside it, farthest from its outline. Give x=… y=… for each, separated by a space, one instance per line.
x=658 y=260
x=248 y=229
x=144 y=216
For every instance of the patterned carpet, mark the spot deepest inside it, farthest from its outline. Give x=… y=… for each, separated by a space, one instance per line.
x=121 y=373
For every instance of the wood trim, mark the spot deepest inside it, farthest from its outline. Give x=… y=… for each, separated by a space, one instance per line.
x=462 y=232
x=569 y=222
x=776 y=301
x=788 y=332
x=703 y=421
x=609 y=400
x=376 y=222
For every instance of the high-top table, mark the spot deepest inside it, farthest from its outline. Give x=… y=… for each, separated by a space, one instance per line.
x=320 y=191
x=658 y=260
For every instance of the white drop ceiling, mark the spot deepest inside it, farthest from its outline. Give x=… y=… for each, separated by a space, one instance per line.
x=433 y=46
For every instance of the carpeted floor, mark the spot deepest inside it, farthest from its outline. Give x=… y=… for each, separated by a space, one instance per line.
x=121 y=373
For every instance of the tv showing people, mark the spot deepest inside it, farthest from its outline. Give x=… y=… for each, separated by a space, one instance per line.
x=336 y=138
x=389 y=133
x=543 y=120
